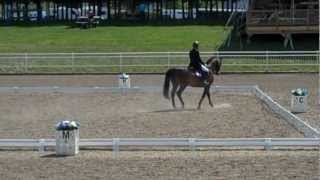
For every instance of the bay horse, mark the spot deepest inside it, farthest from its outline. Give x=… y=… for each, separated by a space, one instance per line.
x=181 y=78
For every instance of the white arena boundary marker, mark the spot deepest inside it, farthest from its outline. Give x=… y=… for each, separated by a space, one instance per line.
x=188 y=143
x=312 y=135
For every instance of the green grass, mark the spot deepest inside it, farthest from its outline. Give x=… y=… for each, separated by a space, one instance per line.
x=61 y=38
x=134 y=38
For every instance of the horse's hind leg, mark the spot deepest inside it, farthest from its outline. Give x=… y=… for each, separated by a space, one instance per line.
x=173 y=92
x=179 y=93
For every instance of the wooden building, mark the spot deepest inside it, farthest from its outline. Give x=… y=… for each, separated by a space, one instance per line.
x=285 y=17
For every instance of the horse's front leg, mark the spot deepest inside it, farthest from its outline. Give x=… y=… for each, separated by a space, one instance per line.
x=202 y=97
x=209 y=97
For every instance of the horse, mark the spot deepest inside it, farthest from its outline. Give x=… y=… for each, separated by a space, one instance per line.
x=181 y=78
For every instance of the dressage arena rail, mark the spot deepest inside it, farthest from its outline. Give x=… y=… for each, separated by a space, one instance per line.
x=151 y=62
x=191 y=143
x=312 y=135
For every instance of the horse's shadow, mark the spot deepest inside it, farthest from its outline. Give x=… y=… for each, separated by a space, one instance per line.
x=174 y=110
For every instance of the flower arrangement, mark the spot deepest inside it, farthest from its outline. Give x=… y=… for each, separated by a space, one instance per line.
x=124 y=76
x=67 y=125
x=299 y=92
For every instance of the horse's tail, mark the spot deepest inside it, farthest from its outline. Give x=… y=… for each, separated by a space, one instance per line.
x=166 y=84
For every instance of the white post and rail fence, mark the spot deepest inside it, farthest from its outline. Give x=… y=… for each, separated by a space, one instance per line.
x=189 y=143
x=155 y=62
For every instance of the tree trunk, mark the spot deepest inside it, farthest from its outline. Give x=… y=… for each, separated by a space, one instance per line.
x=190 y=9
x=182 y=4
x=217 y=6
x=174 y=9
x=17 y=10
x=2 y=10
x=25 y=11
x=157 y=9
x=119 y=9
x=11 y=10
x=115 y=9
x=222 y=8
x=108 y=9
x=197 y=8
x=67 y=10
x=161 y=8
x=1 y=4
x=206 y=6
x=99 y=7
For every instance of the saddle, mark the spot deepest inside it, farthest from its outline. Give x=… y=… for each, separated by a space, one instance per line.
x=198 y=75
x=195 y=72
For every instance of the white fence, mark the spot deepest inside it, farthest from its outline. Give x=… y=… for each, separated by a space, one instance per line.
x=155 y=62
x=191 y=143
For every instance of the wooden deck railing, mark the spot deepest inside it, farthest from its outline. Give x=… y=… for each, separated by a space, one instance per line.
x=306 y=17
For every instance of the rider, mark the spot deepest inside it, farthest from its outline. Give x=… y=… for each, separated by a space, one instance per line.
x=196 y=63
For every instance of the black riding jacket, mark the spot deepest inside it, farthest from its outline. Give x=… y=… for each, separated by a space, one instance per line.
x=195 y=60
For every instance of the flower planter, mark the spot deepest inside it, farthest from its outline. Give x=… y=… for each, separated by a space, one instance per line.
x=299 y=101
x=124 y=81
x=67 y=138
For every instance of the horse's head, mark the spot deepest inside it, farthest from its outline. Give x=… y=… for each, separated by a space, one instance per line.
x=215 y=64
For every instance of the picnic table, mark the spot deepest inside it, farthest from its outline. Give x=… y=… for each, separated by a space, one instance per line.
x=86 y=22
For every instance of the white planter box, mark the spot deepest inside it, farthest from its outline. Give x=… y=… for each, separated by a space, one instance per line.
x=299 y=103
x=67 y=142
x=124 y=81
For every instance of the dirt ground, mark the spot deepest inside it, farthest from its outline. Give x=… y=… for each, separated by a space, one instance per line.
x=138 y=114
x=252 y=165
x=278 y=86
x=30 y=116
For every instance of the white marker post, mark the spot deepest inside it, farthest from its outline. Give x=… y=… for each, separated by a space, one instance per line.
x=67 y=139
x=299 y=101
x=124 y=81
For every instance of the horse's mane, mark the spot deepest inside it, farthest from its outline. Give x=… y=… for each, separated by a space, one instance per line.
x=214 y=62
x=213 y=59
